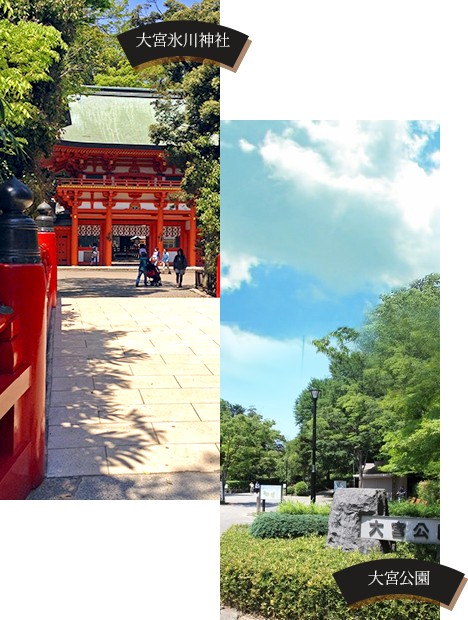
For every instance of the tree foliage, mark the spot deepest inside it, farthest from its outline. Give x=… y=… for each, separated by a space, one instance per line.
x=402 y=339
x=250 y=447
x=190 y=132
x=382 y=397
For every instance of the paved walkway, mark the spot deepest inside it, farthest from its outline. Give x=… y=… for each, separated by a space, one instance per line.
x=240 y=508
x=119 y=281
x=133 y=399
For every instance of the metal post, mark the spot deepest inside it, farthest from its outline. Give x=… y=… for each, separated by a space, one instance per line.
x=314 y=429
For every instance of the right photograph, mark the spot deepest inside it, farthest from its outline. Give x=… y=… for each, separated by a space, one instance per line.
x=330 y=357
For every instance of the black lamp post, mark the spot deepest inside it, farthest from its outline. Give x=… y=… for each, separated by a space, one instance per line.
x=315 y=393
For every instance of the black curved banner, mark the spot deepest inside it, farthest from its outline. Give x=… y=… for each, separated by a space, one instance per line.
x=379 y=580
x=184 y=40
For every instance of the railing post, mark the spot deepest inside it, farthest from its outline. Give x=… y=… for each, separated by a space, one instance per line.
x=22 y=346
x=46 y=237
x=218 y=279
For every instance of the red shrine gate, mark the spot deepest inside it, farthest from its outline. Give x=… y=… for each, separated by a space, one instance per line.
x=113 y=194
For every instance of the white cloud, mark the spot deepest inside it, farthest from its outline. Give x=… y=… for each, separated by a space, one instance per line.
x=235 y=270
x=244 y=352
x=347 y=202
x=245 y=146
x=435 y=157
x=267 y=372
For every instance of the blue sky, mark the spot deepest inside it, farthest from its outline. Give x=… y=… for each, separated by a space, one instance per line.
x=318 y=219
x=160 y=4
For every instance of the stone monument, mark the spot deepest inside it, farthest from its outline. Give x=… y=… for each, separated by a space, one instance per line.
x=344 y=525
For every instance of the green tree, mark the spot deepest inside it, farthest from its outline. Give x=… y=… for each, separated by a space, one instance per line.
x=250 y=447
x=35 y=80
x=402 y=339
x=190 y=132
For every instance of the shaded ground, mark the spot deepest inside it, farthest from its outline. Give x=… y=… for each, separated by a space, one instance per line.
x=120 y=282
x=186 y=486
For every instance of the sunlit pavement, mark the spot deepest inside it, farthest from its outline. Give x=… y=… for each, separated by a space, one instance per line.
x=133 y=390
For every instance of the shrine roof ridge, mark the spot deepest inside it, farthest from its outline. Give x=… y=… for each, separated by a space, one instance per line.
x=125 y=91
x=90 y=146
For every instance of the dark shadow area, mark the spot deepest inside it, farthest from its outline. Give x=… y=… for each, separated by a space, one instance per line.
x=186 y=486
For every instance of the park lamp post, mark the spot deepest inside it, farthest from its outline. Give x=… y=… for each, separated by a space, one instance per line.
x=315 y=393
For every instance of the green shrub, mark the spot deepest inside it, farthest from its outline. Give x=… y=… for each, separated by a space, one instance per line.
x=289 y=490
x=406 y=509
x=238 y=485
x=290 y=507
x=293 y=580
x=428 y=490
x=300 y=488
x=274 y=525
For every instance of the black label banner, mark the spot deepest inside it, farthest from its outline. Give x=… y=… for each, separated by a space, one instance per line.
x=378 y=580
x=184 y=40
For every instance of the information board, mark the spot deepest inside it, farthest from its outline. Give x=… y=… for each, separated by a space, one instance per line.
x=271 y=492
x=339 y=484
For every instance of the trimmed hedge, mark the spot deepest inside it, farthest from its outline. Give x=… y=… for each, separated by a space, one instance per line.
x=275 y=525
x=406 y=509
x=291 y=507
x=293 y=580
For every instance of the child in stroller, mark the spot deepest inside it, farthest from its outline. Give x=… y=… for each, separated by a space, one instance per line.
x=153 y=274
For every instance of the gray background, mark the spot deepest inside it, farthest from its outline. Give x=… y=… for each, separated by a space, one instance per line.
x=158 y=560
x=376 y=59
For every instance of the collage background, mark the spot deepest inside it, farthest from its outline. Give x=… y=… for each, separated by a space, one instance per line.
x=334 y=60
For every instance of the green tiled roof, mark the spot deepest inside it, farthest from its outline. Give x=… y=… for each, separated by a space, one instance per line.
x=111 y=115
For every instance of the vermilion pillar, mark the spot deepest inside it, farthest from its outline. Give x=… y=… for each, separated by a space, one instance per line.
x=74 y=235
x=192 y=237
x=153 y=243
x=108 y=234
x=160 y=227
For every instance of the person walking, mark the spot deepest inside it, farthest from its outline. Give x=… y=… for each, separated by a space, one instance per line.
x=142 y=269
x=165 y=261
x=257 y=487
x=156 y=257
x=180 y=265
x=251 y=485
x=95 y=254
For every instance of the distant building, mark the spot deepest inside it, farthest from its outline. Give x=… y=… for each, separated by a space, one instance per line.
x=373 y=478
x=115 y=185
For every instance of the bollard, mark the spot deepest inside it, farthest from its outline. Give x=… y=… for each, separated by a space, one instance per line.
x=46 y=237
x=23 y=340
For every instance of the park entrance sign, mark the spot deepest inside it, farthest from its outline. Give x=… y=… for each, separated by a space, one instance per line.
x=401 y=529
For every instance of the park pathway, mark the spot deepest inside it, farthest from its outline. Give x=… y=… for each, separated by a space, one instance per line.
x=133 y=399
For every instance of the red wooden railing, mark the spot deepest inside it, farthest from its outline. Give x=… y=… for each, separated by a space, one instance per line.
x=27 y=294
x=152 y=183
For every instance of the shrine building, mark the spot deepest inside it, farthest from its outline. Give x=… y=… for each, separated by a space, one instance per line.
x=115 y=184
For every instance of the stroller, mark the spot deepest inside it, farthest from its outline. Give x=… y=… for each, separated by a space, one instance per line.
x=153 y=274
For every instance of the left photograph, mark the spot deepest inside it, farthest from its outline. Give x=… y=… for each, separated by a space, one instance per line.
x=109 y=246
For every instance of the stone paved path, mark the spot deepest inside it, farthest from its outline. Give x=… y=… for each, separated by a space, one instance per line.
x=135 y=390
x=120 y=282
